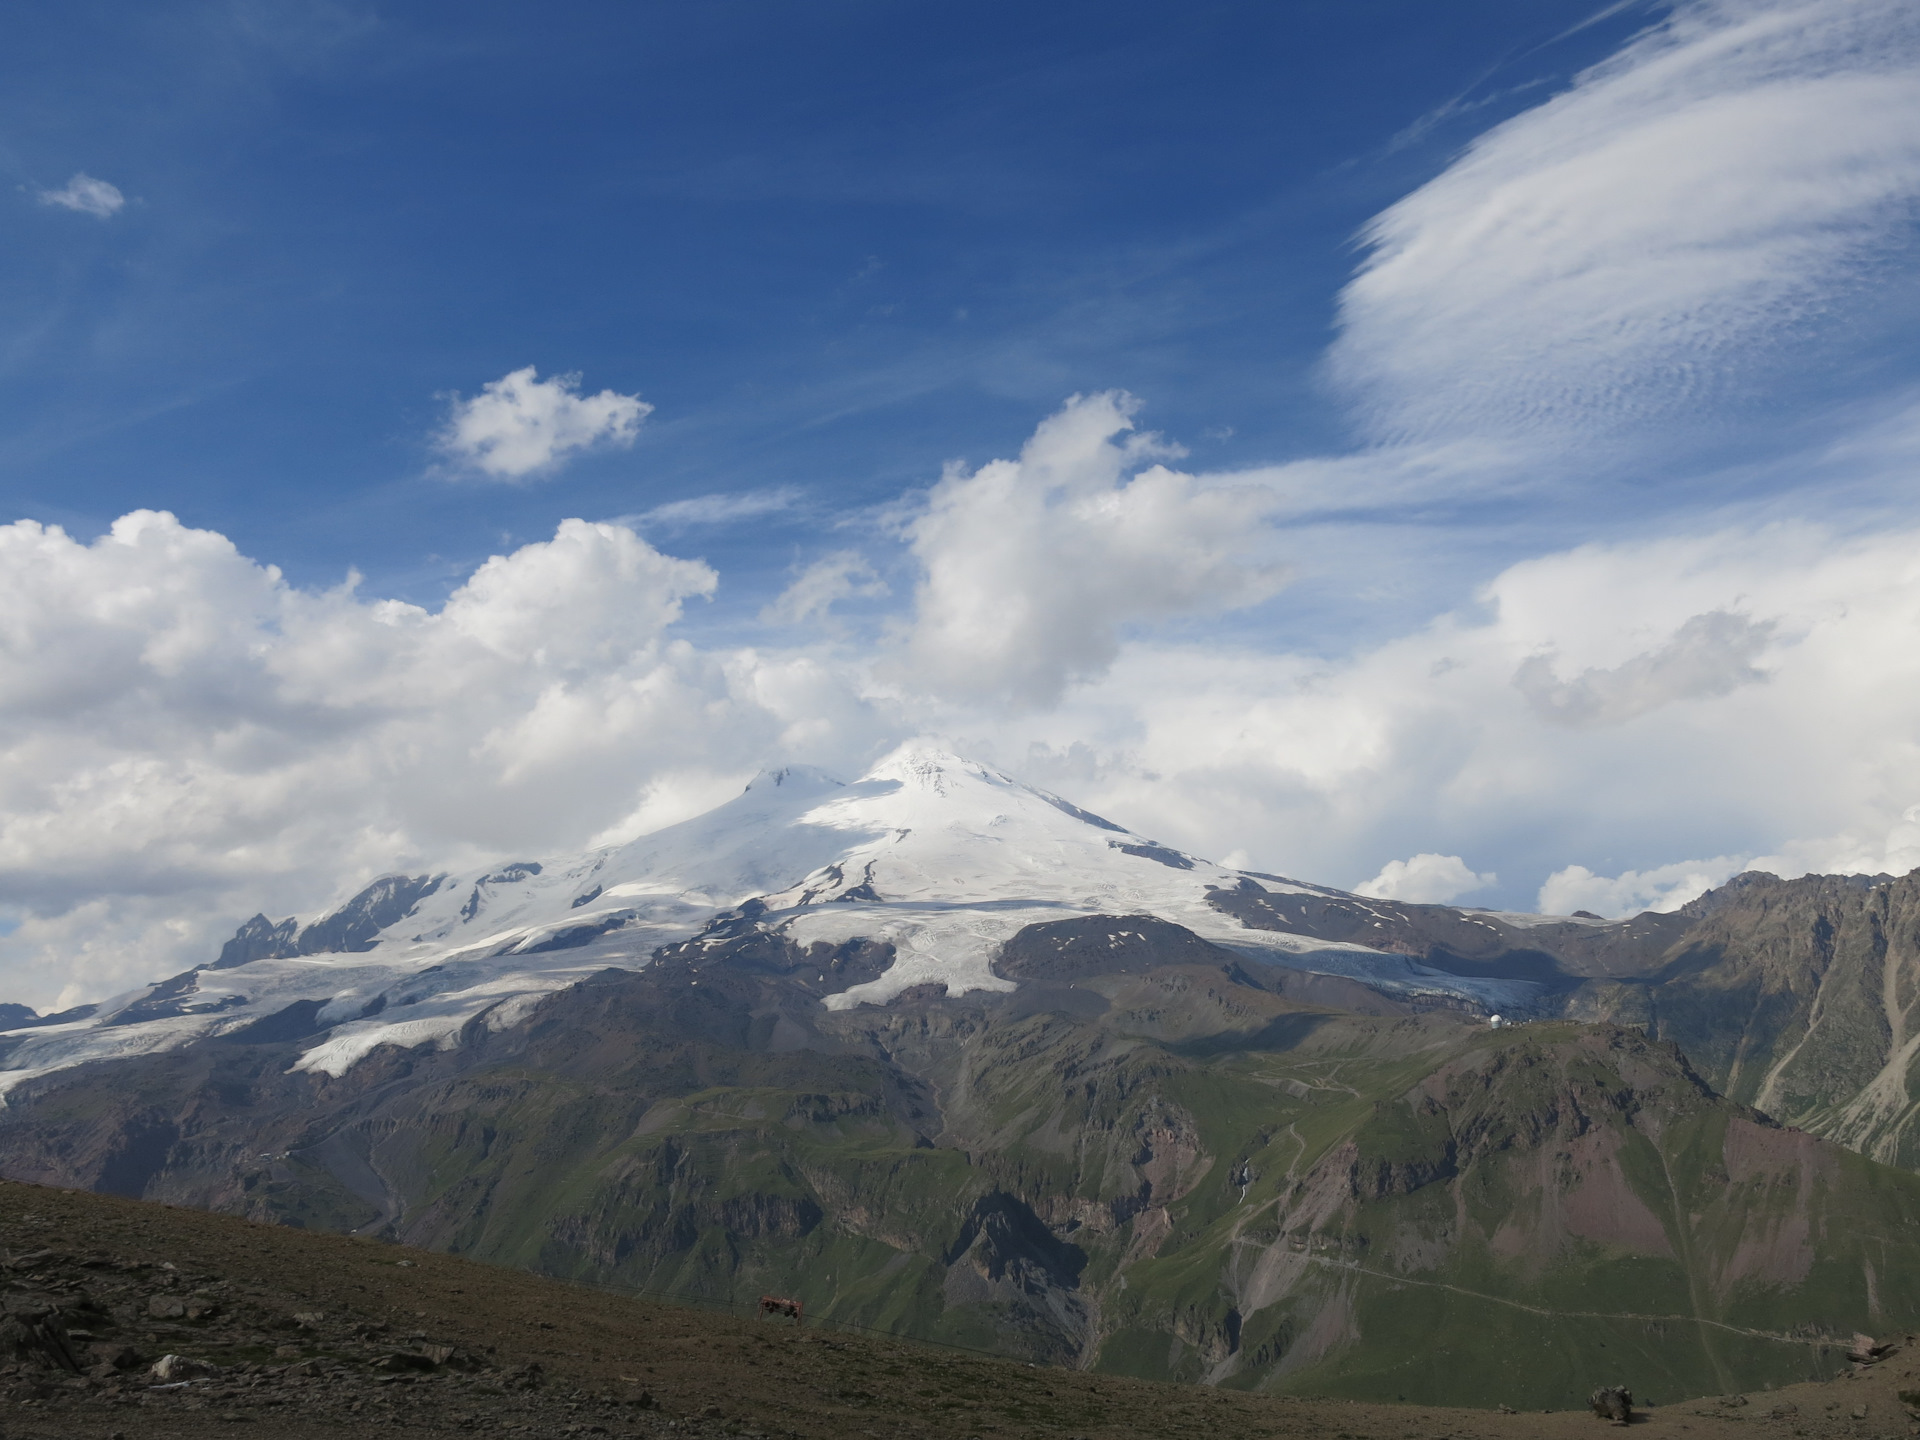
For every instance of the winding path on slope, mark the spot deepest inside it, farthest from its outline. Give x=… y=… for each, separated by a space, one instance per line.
x=1388 y=1275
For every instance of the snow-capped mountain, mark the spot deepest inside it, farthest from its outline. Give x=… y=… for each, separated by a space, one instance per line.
x=939 y=857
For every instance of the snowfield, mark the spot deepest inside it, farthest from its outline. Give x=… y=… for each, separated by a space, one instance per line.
x=944 y=858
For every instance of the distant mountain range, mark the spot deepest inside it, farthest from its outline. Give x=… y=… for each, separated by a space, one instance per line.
x=947 y=1054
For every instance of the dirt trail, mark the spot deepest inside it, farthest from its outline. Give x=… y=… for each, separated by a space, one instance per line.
x=1397 y=1279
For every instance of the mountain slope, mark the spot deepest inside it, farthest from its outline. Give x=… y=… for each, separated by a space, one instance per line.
x=1799 y=997
x=1150 y=1157
x=946 y=1055
x=939 y=858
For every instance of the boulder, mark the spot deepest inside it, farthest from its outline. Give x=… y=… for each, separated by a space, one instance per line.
x=34 y=1333
x=1613 y=1402
x=1865 y=1350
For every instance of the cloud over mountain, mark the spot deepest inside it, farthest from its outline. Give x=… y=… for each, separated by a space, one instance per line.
x=1424 y=879
x=182 y=731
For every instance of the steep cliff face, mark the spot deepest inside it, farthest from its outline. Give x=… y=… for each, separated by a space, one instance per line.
x=1163 y=1164
x=1798 y=997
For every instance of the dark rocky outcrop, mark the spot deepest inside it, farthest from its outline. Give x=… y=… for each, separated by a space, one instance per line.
x=1159 y=854
x=354 y=927
x=1103 y=945
x=1557 y=954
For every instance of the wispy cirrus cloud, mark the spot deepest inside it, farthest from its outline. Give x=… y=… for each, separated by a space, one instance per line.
x=1617 y=252
x=844 y=575
x=700 y=510
x=87 y=195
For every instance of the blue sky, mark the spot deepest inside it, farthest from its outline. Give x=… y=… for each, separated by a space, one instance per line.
x=834 y=245
x=1464 y=452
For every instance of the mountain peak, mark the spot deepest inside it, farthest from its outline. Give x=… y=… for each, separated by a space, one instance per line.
x=928 y=764
x=932 y=857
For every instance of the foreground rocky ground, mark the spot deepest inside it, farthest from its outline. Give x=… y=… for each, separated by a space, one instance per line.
x=309 y=1335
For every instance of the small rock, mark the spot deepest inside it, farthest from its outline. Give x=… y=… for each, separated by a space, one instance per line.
x=398 y=1361
x=165 y=1307
x=169 y=1369
x=121 y=1357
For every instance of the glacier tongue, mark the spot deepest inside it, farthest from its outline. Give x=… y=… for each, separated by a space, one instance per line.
x=943 y=858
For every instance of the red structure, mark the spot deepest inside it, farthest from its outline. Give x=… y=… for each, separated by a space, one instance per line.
x=780 y=1305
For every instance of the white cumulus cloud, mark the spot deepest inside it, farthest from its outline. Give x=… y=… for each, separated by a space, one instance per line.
x=1425 y=879
x=1032 y=569
x=185 y=738
x=521 y=426
x=1317 y=767
x=1663 y=888
x=87 y=195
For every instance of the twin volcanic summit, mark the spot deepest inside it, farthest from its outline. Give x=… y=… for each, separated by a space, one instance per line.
x=943 y=1054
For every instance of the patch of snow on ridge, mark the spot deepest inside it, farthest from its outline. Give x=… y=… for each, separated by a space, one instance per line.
x=944 y=858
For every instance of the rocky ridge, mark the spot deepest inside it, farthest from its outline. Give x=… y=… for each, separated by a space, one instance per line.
x=1800 y=997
